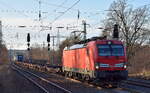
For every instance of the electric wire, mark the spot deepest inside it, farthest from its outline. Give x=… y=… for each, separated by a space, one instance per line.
x=10 y=6
x=61 y=5
x=65 y=11
x=55 y=5
x=55 y=10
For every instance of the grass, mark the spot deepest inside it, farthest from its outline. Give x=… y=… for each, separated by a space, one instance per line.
x=143 y=75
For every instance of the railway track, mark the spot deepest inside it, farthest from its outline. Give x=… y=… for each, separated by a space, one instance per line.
x=135 y=82
x=70 y=84
x=45 y=85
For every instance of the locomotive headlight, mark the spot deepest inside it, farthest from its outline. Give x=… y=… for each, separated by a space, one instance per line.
x=97 y=65
x=125 y=66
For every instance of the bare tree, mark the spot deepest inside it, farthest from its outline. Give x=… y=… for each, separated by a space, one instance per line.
x=133 y=24
x=1 y=32
x=3 y=49
x=39 y=52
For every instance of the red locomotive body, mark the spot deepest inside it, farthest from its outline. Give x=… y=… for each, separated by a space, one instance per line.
x=99 y=59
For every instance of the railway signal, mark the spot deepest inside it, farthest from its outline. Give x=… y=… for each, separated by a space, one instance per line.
x=84 y=28
x=84 y=31
x=28 y=46
x=58 y=34
x=48 y=38
x=28 y=37
x=48 y=47
x=48 y=41
x=28 y=41
x=116 y=32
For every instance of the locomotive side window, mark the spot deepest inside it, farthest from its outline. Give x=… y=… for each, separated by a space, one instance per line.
x=110 y=50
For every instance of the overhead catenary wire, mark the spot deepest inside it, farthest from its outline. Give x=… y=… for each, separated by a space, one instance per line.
x=10 y=6
x=56 y=5
x=68 y=8
x=65 y=11
x=91 y=14
x=61 y=5
x=18 y=11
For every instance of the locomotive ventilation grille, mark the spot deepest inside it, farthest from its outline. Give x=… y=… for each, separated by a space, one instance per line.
x=108 y=65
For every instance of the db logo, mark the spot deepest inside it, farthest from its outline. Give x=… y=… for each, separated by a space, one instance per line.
x=111 y=66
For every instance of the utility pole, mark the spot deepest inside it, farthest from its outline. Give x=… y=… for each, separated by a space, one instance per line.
x=53 y=44
x=58 y=35
x=53 y=39
x=43 y=45
x=84 y=29
x=40 y=15
x=75 y=35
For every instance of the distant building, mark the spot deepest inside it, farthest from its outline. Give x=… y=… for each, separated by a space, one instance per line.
x=14 y=53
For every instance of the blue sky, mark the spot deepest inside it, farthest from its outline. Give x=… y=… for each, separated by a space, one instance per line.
x=25 y=12
x=83 y=6
x=88 y=6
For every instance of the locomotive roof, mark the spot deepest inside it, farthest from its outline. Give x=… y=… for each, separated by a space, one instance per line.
x=91 y=39
x=83 y=43
x=76 y=46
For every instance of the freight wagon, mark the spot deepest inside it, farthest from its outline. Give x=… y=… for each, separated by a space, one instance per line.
x=20 y=58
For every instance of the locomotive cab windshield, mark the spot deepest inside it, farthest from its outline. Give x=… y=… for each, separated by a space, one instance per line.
x=110 y=50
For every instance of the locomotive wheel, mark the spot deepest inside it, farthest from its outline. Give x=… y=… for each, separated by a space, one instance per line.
x=70 y=74
x=74 y=75
x=87 y=77
x=115 y=85
x=82 y=77
x=66 y=74
x=79 y=76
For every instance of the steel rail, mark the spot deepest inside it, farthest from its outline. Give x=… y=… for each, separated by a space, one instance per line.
x=38 y=85
x=47 y=81
x=138 y=83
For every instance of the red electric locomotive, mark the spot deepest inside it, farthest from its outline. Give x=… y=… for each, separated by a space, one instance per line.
x=102 y=60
